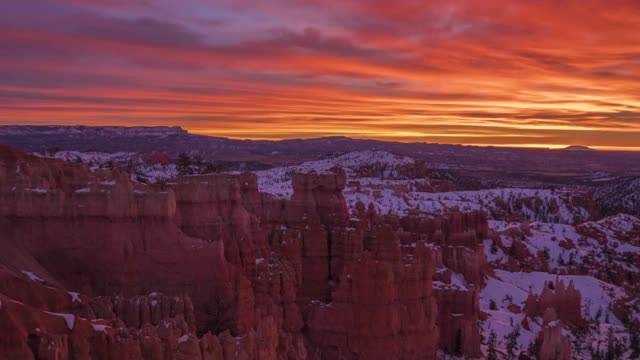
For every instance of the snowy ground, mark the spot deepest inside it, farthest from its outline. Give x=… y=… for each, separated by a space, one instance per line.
x=392 y=194
x=513 y=287
x=133 y=163
x=277 y=181
x=567 y=249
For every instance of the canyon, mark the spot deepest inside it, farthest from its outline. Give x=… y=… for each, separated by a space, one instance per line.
x=362 y=255
x=155 y=270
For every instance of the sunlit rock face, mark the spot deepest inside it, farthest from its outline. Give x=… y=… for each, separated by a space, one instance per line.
x=94 y=265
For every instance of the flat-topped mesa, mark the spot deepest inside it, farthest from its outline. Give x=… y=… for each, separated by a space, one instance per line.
x=84 y=131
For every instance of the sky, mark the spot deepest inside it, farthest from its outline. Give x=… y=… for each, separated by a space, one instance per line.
x=538 y=73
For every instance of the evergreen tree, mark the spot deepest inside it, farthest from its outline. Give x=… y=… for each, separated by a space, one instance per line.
x=508 y=298
x=610 y=355
x=492 y=353
x=533 y=349
x=183 y=164
x=580 y=334
x=615 y=347
x=560 y=260
x=512 y=341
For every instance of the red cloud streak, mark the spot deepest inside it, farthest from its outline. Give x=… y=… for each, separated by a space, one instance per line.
x=516 y=73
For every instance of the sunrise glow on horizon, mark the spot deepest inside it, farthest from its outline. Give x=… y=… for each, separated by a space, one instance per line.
x=519 y=73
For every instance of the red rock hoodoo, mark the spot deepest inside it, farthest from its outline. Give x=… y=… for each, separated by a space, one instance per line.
x=93 y=265
x=552 y=343
x=564 y=300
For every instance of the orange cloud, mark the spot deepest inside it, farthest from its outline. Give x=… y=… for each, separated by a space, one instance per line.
x=517 y=73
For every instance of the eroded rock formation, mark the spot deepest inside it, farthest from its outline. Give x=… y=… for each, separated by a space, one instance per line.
x=551 y=342
x=564 y=300
x=210 y=268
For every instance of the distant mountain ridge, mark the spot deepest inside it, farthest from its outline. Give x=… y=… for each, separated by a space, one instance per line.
x=577 y=148
x=515 y=164
x=26 y=130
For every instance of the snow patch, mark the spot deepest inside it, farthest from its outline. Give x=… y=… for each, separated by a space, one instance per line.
x=70 y=319
x=100 y=328
x=183 y=338
x=38 y=190
x=32 y=276
x=74 y=296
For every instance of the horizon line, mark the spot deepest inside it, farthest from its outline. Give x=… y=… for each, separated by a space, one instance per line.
x=408 y=140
